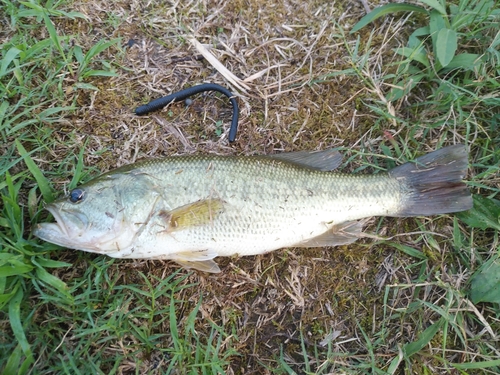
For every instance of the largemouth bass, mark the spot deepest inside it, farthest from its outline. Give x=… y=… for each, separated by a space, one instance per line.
x=191 y=209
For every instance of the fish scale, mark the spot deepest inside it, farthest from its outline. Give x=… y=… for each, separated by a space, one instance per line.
x=192 y=209
x=321 y=200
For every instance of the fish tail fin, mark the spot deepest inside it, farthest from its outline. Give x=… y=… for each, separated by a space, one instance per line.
x=432 y=184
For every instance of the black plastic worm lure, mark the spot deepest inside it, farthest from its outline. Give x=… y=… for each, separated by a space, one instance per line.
x=186 y=93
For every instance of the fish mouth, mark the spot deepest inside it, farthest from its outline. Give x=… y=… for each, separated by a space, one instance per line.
x=67 y=227
x=72 y=229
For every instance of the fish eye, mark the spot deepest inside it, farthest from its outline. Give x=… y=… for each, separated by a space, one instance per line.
x=76 y=195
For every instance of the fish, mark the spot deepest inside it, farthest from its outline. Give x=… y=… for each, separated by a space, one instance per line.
x=191 y=209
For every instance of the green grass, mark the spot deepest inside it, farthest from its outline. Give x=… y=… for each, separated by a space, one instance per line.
x=75 y=313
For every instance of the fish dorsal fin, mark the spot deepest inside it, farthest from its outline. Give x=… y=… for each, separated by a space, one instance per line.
x=341 y=234
x=326 y=160
x=198 y=259
x=193 y=214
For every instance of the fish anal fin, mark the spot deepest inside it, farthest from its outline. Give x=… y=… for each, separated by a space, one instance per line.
x=200 y=265
x=326 y=160
x=198 y=259
x=193 y=214
x=341 y=234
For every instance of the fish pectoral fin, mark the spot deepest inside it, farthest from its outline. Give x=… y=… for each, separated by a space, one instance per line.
x=201 y=260
x=200 y=265
x=193 y=214
x=340 y=234
x=326 y=160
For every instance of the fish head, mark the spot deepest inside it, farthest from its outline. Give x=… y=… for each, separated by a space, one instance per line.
x=103 y=216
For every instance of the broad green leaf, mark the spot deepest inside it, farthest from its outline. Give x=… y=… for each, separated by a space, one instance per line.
x=414 y=41
x=446 y=45
x=424 y=338
x=386 y=9
x=421 y=31
x=436 y=23
x=78 y=54
x=417 y=54
x=43 y=184
x=484 y=214
x=466 y=61
x=436 y=5
x=485 y=284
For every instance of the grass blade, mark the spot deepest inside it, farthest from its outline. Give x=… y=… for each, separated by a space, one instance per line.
x=42 y=182
x=408 y=250
x=435 y=4
x=16 y=325
x=425 y=337
x=7 y=59
x=53 y=35
x=14 y=359
x=476 y=365
x=383 y=10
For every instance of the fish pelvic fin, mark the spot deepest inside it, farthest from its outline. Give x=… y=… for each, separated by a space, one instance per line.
x=193 y=214
x=340 y=234
x=432 y=184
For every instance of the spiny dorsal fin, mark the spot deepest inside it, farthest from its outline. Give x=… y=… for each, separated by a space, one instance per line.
x=193 y=214
x=326 y=160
